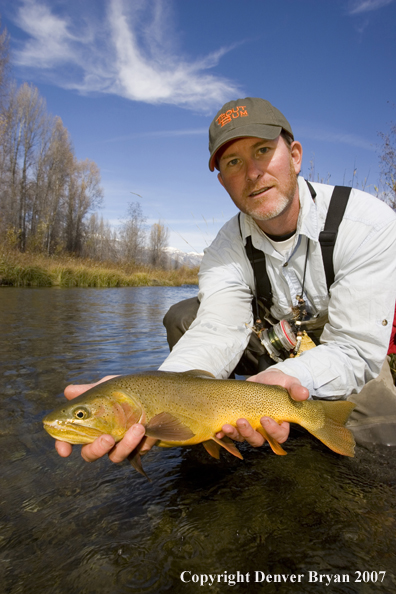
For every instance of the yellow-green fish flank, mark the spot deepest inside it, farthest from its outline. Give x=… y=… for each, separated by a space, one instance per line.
x=189 y=408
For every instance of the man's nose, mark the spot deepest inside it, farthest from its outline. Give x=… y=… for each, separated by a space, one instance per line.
x=253 y=170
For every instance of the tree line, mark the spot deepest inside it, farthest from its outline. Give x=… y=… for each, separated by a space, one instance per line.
x=48 y=197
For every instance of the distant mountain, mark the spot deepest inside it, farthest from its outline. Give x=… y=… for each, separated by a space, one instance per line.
x=178 y=258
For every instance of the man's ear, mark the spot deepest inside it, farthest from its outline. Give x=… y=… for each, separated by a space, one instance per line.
x=220 y=179
x=296 y=153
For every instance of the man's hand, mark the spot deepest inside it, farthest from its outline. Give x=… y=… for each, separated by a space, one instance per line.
x=245 y=432
x=105 y=444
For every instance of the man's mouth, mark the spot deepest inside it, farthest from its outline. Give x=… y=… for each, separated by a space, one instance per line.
x=259 y=192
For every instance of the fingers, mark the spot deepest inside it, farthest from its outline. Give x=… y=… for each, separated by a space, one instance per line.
x=128 y=443
x=298 y=392
x=278 y=432
x=105 y=444
x=231 y=432
x=242 y=432
x=72 y=391
x=64 y=449
x=98 y=448
x=148 y=444
x=276 y=377
x=249 y=434
x=245 y=432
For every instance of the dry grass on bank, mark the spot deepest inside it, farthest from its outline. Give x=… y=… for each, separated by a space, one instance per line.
x=36 y=270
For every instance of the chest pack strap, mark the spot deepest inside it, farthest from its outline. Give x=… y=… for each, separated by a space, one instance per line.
x=327 y=239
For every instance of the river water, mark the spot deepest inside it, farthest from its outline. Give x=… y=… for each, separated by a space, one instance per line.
x=68 y=527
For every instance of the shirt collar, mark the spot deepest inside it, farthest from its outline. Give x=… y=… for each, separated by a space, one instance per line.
x=307 y=223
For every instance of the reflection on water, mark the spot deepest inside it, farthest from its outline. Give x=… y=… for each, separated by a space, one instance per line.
x=67 y=527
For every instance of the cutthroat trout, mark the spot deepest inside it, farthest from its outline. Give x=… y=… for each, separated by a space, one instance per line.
x=187 y=408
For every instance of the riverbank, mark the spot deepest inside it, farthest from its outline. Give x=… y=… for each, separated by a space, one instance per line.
x=37 y=270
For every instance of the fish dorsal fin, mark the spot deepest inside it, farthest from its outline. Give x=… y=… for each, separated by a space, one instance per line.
x=168 y=428
x=199 y=373
x=228 y=444
x=275 y=446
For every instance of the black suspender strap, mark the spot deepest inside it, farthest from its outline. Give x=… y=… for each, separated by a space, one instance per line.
x=263 y=285
x=327 y=239
x=328 y=236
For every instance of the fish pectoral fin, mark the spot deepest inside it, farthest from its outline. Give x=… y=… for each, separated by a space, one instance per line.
x=135 y=459
x=168 y=428
x=199 y=373
x=226 y=443
x=275 y=445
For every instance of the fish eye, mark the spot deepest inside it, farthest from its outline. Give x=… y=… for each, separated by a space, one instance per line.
x=80 y=414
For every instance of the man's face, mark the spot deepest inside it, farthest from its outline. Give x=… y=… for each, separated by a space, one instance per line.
x=261 y=176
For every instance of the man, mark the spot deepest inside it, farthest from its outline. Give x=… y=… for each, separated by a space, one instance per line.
x=252 y=145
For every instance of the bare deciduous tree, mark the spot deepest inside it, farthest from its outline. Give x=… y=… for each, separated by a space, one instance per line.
x=101 y=240
x=388 y=166
x=159 y=237
x=84 y=195
x=53 y=171
x=133 y=234
x=4 y=65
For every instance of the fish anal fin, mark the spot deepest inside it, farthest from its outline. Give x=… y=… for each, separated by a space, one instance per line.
x=275 y=445
x=227 y=443
x=168 y=428
x=212 y=448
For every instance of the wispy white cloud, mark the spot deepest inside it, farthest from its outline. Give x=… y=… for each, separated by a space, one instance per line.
x=50 y=38
x=131 y=53
x=338 y=137
x=160 y=134
x=361 y=6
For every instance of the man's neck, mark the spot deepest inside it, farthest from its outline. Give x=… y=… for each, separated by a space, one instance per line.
x=285 y=223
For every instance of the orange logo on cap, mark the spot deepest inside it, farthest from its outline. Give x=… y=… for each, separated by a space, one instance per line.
x=227 y=116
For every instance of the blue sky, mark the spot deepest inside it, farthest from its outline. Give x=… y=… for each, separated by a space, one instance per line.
x=137 y=83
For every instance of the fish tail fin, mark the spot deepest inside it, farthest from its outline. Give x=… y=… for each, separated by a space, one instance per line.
x=333 y=433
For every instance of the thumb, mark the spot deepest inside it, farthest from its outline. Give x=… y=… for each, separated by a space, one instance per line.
x=297 y=391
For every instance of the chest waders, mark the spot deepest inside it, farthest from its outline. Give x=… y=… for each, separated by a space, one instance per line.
x=327 y=239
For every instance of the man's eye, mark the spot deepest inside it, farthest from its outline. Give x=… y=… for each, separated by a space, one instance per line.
x=263 y=149
x=232 y=163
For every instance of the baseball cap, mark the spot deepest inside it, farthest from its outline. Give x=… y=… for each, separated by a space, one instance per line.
x=251 y=116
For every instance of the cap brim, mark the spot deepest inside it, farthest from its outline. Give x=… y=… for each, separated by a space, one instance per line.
x=264 y=131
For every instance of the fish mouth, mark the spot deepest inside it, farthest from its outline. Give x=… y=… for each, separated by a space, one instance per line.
x=74 y=434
